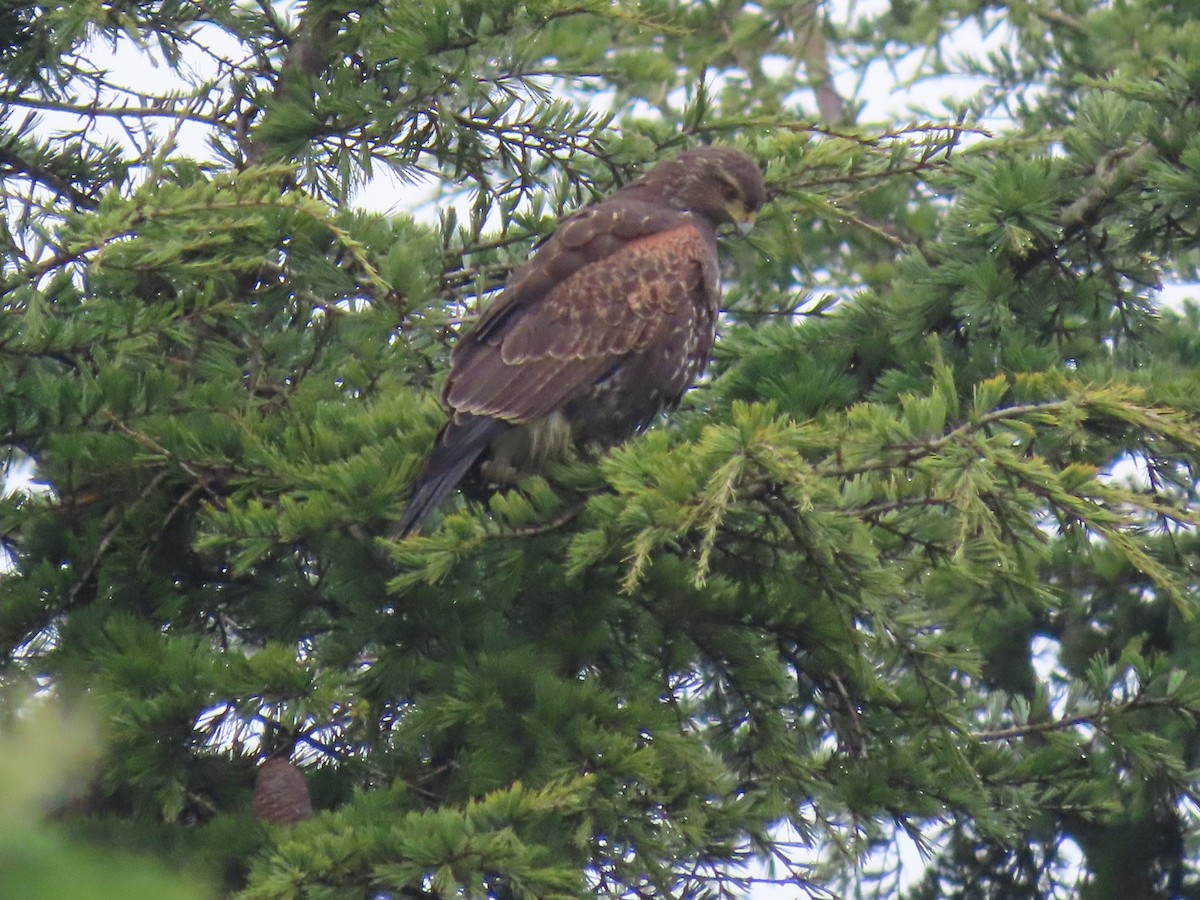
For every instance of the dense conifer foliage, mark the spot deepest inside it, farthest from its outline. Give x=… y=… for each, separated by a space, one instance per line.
x=916 y=561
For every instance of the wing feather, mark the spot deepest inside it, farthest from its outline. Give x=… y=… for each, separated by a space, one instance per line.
x=581 y=239
x=554 y=344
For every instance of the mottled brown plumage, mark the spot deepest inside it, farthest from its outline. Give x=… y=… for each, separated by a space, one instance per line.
x=606 y=325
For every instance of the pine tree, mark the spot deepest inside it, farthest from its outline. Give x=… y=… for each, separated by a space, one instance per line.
x=917 y=560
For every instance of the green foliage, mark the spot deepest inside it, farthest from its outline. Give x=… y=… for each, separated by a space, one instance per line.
x=443 y=851
x=884 y=574
x=46 y=762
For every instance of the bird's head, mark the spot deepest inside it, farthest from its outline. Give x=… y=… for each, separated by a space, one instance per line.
x=722 y=184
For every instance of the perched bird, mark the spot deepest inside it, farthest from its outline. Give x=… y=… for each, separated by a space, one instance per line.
x=605 y=326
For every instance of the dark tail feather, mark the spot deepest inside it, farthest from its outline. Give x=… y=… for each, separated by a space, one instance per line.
x=461 y=442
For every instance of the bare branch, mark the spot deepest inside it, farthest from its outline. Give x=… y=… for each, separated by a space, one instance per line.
x=13 y=162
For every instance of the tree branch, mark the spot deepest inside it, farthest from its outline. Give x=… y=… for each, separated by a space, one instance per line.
x=807 y=24
x=1051 y=725
x=309 y=53
x=160 y=109
x=13 y=162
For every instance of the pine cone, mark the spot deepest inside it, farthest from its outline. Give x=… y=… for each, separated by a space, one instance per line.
x=281 y=793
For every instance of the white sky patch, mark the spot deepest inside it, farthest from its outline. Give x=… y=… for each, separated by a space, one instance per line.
x=898 y=861
x=893 y=90
x=1130 y=471
x=1173 y=295
x=1045 y=657
x=17 y=475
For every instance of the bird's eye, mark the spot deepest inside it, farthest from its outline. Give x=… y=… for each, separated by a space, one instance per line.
x=729 y=191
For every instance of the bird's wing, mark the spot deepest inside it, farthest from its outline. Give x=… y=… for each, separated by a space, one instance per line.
x=581 y=239
x=593 y=296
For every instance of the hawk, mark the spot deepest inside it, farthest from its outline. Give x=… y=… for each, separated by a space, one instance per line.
x=605 y=326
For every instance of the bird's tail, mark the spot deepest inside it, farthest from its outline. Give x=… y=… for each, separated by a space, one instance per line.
x=459 y=445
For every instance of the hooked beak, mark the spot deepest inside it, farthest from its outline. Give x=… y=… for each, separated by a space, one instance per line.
x=739 y=217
